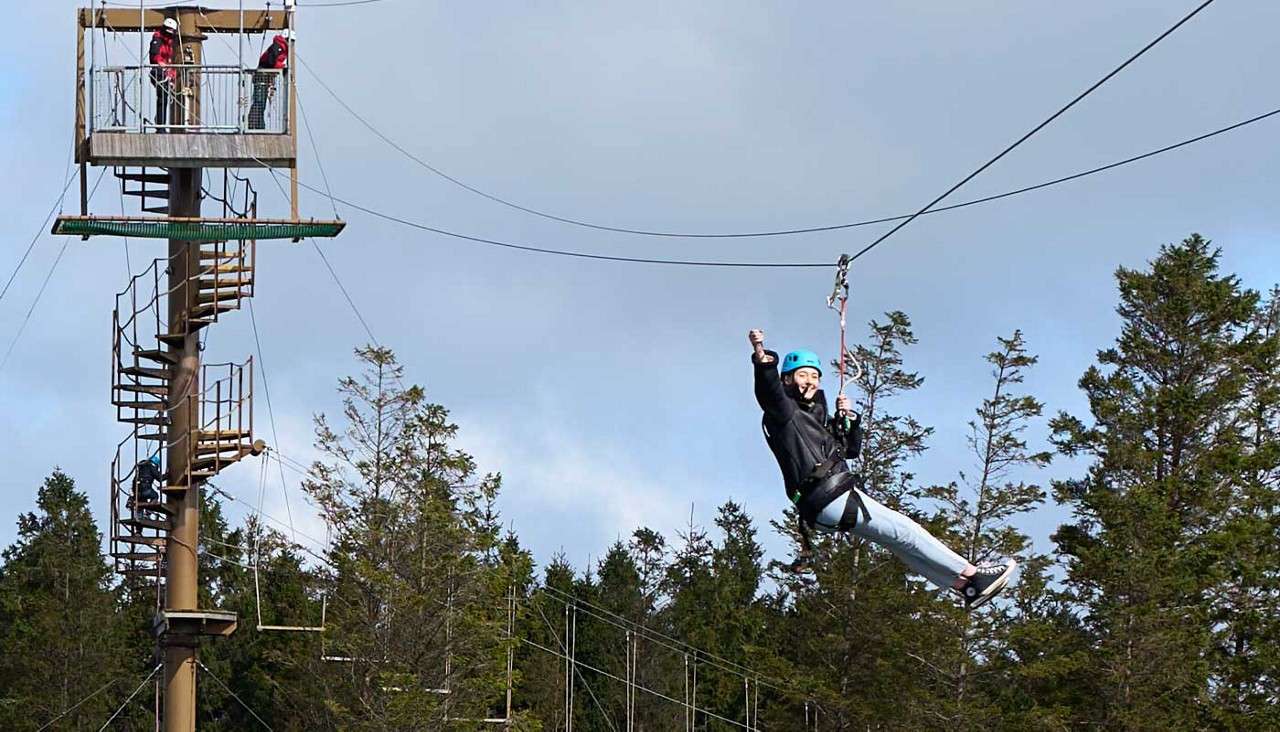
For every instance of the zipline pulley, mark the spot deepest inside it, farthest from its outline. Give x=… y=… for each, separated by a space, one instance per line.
x=839 y=301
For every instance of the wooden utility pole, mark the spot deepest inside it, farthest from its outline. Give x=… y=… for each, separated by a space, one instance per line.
x=182 y=581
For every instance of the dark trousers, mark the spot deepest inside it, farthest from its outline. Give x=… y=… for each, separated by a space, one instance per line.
x=262 y=86
x=146 y=492
x=164 y=99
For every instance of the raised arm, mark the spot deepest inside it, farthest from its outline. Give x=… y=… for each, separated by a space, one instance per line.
x=769 y=392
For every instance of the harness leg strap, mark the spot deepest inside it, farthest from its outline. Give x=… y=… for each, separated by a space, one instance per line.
x=852 y=507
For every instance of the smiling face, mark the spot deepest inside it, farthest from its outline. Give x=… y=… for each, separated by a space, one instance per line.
x=806 y=381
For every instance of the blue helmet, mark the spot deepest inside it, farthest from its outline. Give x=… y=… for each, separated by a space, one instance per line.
x=155 y=460
x=801 y=359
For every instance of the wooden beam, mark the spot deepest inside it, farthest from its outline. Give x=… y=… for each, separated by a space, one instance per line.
x=80 y=112
x=209 y=21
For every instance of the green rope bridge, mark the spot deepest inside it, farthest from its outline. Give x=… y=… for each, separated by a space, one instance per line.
x=195 y=229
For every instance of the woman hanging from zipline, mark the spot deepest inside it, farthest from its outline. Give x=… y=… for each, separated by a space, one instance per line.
x=811 y=449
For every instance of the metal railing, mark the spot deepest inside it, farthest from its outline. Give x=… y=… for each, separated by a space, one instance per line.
x=152 y=98
x=225 y=275
x=136 y=550
x=225 y=406
x=220 y=434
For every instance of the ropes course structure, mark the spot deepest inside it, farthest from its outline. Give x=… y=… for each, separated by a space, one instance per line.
x=629 y=640
x=632 y=636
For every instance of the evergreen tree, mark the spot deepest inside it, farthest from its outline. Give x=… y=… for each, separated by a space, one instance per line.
x=544 y=640
x=606 y=601
x=1245 y=604
x=417 y=599
x=60 y=640
x=270 y=671
x=731 y=623
x=978 y=510
x=1145 y=553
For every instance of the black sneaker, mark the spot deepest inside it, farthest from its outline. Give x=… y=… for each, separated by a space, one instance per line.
x=986 y=583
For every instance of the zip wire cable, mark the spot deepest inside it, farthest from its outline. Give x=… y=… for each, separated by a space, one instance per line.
x=564 y=646
x=558 y=252
x=333 y=273
x=131 y=696
x=232 y=693
x=339 y=4
x=174 y=3
x=732 y=235
x=40 y=293
x=671 y=643
x=368 y=331
x=257 y=539
x=940 y=209
x=75 y=706
x=255 y=511
x=315 y=150
x=271 y=413
x=57 y=206
x=1033 y=130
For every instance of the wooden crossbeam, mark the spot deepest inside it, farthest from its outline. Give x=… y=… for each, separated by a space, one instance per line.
x=209 y=21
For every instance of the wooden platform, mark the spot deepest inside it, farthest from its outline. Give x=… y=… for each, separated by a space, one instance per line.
x=194 y=623
x=191 y=150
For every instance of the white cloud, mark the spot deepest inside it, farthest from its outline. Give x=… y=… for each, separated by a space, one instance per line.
x=565 y=491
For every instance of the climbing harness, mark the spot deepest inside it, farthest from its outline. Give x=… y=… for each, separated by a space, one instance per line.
x=840 y=294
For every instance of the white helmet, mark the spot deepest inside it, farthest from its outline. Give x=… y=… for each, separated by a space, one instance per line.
x=171 y=25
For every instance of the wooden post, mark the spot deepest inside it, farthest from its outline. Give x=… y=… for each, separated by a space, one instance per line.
x=78 y=144
x=290 y=71
x=693 y=694
x=511 y=651
x=565 y=647
x=688 y=723
x=182 y=572
x=626 y=686
x=573 y=663
x=80 y=118
x=182 y=579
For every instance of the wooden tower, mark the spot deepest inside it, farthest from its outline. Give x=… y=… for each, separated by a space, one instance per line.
x=159 y=127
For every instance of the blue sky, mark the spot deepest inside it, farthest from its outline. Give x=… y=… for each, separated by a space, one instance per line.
x=612 y=396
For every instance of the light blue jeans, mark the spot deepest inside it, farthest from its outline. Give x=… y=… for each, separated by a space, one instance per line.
x=909 y=542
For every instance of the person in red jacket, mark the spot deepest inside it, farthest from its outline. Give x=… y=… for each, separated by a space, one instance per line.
x=275 y=57
x=164 y=49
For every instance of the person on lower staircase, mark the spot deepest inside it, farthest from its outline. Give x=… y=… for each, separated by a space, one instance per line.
x=812 y=448
x=145 y=477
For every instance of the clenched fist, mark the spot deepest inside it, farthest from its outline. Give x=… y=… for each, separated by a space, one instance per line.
x=756 y=336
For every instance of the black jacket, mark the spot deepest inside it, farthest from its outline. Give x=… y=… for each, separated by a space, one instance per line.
x=803 y=438
x=146 y=476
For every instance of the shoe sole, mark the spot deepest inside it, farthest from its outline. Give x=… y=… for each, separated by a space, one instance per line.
x=996 y=586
